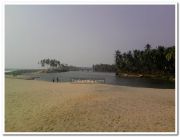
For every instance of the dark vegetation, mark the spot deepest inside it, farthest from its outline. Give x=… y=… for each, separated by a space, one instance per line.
x=156 y=63
x=53 y=65
x=104 y=68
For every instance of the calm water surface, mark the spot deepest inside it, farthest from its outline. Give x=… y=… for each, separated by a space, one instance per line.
x=110 y=78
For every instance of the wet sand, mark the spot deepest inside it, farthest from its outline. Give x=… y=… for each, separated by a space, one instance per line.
x=35 y=106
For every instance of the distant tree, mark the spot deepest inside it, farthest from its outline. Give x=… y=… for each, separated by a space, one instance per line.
x=148 y=47
x=52 y=63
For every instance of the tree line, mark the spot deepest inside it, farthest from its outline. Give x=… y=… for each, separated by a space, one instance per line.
x=159 y=60
x=148 y=61
x=104 y=68
x=53 y=65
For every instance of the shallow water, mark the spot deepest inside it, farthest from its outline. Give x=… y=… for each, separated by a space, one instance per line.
x=109 y=78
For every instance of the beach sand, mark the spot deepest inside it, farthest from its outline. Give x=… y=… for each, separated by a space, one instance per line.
x=32 y=106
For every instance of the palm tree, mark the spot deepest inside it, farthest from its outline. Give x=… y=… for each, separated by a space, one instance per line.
x=160 y=60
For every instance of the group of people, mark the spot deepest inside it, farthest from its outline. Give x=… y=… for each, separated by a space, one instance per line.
x=57 y=80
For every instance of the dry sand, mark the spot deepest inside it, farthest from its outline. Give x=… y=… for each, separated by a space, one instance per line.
x=32 y=105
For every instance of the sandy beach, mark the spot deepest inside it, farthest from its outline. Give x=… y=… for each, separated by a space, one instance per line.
x=36 y=106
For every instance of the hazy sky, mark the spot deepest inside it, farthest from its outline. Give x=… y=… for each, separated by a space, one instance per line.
x=83 y=35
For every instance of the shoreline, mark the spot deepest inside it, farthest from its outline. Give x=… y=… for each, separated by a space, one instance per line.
x=93 y=81
x=37 y=72
x=150 y=76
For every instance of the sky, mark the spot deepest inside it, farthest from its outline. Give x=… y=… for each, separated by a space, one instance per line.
x=83 y=35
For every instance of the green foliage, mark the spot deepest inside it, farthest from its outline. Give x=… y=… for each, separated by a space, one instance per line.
x=104 y=68
x=50 y=63
x=53 y=65
x=150 y=61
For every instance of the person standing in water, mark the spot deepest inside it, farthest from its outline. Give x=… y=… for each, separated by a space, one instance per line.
x=57 y=79
x=53 y=80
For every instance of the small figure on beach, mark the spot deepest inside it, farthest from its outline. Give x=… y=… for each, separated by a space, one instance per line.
x=57 y=79
x=53 y=80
